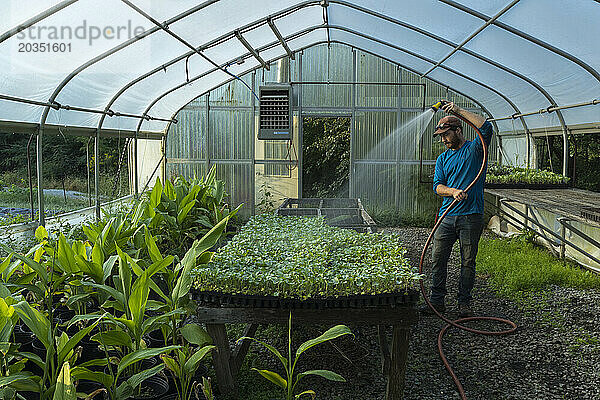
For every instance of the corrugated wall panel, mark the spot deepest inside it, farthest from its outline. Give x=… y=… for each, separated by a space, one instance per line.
x=323 y=64
x=231 y=134
x=373 y=69
x=375 y=135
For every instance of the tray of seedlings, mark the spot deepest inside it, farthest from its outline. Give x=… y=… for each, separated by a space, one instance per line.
x=301 y=262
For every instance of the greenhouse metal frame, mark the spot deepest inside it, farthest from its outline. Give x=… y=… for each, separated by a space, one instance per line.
x=532 y=65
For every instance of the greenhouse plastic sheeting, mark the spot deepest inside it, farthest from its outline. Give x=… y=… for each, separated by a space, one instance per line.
x=84 y=53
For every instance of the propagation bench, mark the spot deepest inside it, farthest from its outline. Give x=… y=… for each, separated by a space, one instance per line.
x=570 y=205
x=399 y=311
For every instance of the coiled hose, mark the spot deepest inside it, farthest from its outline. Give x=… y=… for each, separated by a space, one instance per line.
x=458 y=323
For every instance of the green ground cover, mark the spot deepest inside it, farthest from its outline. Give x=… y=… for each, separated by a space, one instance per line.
x=516 y=265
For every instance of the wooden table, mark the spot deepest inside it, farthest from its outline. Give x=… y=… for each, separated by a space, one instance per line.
x=227 y=363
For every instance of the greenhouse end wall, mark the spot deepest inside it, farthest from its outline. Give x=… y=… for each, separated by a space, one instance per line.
x=220 y=128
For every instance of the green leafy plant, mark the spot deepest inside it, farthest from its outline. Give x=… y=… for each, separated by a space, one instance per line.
x=505 y=174
x=182 y=211
x=185 y=361
x=292 y=377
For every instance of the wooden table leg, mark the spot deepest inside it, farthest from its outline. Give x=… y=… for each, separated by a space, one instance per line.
x=399 y=354
x=221 y=358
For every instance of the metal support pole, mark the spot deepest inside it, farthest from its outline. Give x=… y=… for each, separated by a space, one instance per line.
x=253 y=145
x=136 y=173
x=351 y=180
x=300 y=130
x=40 y=176
x=29 y=176
x=563 y=233
x=97 y=172
x=87 y=170
x=207 y=135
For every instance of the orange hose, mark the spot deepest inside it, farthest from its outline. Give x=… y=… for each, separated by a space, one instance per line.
x=457 y=323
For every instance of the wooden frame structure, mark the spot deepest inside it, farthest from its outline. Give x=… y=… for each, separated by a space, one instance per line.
x=227 y=363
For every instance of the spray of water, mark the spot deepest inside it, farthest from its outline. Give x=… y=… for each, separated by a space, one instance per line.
x=376 y=178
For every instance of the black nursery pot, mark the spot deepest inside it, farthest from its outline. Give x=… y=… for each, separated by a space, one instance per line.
x=153 y=388
x=24 y=337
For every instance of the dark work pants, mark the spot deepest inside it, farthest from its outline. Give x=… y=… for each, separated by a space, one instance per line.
x=467 y=229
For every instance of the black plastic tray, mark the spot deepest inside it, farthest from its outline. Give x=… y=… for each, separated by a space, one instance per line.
x=216 y=299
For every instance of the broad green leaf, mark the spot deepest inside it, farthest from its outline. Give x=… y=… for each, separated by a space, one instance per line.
x=66 y=256
x=171 y=364
x=138 y=299
x=73 y=341
x=332 y=333
x=329 y=375
x=108 y=265
x=195 y=334
x=36 y=321
x=184 y=211
x=90 y=269
x=41 y=233
x=169 y=190
x=79 y=372
x=5 y=263
x=114 y=293
x=142 y=354
x=191 y=365
x=37 y=267
x=125 y=390
x=155 y=322
x=64 y=387
x=273 y=377
x=6 y=311
x=20 y=376
x=113 y=338
x=155 y=194
x=155 y=255
x=97 y=254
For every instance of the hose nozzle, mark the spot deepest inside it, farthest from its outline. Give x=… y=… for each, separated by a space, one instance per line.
x=438 y=105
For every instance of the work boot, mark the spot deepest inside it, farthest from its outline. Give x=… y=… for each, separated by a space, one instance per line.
x=464 y=311
x=426 y=310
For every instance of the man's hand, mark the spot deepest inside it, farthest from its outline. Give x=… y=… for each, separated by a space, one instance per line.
x=450 y=107
x=459 y=194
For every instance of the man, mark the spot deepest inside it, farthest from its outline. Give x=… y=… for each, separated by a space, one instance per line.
x=454 y=170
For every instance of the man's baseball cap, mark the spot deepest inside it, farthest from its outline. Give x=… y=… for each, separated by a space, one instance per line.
x=446 y=123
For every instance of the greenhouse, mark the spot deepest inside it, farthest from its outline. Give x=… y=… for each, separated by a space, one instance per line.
x=176 y=175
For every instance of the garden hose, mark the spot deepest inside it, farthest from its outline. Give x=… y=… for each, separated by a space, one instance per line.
x=458 y=322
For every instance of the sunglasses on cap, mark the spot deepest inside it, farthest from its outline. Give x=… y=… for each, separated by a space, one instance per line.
x=446 y=126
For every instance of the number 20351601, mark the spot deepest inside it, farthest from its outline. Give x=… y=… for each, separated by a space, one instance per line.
x=44 y=47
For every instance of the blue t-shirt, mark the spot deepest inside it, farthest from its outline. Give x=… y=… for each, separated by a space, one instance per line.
x=457 y=168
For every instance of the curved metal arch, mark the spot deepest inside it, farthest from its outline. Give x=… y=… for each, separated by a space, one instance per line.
x=37 y=18
x=358 y=34
x=527 y=37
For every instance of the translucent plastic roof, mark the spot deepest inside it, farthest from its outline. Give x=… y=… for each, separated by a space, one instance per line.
x=511 y=56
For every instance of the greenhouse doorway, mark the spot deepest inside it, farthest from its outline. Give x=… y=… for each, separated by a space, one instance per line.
x=325 y=157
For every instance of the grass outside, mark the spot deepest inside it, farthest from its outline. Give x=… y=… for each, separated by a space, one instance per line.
x=516 y=266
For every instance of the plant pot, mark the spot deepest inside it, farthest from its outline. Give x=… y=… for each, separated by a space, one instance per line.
x=155 y=339
x=152 y=388
x=24 y=337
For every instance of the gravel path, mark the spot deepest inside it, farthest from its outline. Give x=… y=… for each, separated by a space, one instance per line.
x=555 y=354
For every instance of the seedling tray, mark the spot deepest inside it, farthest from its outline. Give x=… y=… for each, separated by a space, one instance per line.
x=532 y=186
x=344 y=213
x=217 y=299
